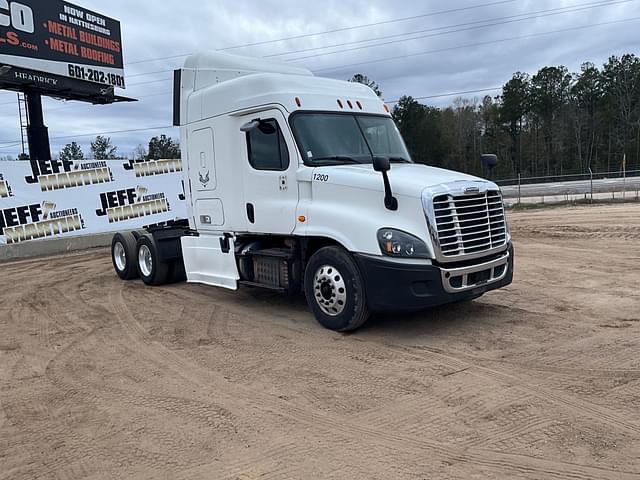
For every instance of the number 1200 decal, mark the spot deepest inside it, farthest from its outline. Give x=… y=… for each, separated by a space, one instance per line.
x=320 y=177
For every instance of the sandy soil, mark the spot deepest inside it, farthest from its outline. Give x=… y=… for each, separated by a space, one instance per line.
x=101 y=379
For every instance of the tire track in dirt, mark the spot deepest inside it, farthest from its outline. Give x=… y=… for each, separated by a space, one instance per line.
x=78 y=390
x=627 y=373
x=456 y=363
x=75 y=391
x=593 y=411
x=251 y=465
x=618 y=232
x=79 y=386
x=524 y=465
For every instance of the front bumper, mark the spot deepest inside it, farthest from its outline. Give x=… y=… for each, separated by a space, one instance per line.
x=393 y=286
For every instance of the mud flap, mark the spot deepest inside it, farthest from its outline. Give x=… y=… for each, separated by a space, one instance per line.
x=210 y=260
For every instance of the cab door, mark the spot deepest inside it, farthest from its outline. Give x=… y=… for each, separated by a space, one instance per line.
x=270 y=165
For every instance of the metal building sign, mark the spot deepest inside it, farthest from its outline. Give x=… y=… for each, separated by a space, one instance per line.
x=59 y=38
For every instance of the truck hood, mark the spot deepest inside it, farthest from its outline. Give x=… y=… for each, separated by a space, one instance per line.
x=406 y=179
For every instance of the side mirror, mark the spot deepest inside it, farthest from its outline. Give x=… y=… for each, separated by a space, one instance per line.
x=252 y=125
x=381 y=164
x=489 y=160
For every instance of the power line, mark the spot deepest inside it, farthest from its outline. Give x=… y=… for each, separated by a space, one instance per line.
x=342 y=29
x=112 y=133
x=6 y=147
x=477 y=44
x=497 y=21
x=147 y=73
x=451 y=94
x=117 y=132
x=78 y=104
x=131 y=85
x=386 y=22
x=152 y=81
x=470 y=26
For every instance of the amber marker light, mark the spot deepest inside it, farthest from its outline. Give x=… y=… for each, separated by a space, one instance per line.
x=302 y=219
x=386 y=108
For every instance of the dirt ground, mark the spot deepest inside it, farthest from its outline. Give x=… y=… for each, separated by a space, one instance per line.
x=102 y=379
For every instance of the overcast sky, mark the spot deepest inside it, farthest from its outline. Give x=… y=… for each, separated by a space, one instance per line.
x=456 y=51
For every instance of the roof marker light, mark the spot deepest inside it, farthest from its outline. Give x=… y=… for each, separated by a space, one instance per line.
x=359 y=104
x=340 y=103
x=298 y=102
x=386 y=108
x=350 y=104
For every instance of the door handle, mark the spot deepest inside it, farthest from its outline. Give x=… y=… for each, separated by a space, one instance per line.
x=251 y=213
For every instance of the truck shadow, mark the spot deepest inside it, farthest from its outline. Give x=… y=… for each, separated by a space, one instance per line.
x=442 y=320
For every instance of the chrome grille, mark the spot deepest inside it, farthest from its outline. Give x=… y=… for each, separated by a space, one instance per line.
x=470 y=224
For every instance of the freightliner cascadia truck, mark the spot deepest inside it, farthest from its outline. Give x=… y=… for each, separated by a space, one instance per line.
x=297 y=183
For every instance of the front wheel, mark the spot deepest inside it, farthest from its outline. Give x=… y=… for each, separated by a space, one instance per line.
x=335 y=290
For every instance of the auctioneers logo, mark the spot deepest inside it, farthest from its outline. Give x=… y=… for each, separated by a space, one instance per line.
x=62 y=174
x=5 y=188
x=33 y=222
x=148 y=168
x=122 y=205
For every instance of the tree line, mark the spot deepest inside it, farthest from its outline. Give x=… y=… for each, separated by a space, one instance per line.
x=102 y=148
x=552 y=123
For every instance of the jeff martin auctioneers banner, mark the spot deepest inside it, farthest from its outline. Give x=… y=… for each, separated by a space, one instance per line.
x=41 y=199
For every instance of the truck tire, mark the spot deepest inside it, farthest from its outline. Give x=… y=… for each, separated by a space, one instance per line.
x=123 y=255
x=151 y=269
x=335 y=290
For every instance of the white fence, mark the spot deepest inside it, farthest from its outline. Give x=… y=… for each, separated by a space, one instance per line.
x=42 y=199
x=564 y=188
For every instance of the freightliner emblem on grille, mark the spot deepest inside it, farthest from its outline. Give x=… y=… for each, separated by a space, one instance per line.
x=471 y=190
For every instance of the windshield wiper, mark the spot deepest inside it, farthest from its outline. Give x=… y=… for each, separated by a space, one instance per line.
x=335 y=158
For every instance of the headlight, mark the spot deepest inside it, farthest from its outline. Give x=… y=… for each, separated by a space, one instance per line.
x=395 y=243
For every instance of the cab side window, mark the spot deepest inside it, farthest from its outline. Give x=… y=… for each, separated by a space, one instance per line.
x=267 y=148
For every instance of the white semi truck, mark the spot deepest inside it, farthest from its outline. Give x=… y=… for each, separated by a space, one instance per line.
x=303 y=184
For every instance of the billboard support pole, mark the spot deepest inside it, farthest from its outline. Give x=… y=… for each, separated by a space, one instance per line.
x=37 y=131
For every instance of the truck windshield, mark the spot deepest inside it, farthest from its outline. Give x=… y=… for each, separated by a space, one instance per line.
x=334 y=138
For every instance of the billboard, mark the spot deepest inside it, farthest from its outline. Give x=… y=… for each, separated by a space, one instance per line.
x=42 y=199
x=58 y=38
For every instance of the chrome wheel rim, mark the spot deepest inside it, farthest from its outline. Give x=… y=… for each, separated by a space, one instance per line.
x=330 y=291
x=119 y=257
x=145 y=260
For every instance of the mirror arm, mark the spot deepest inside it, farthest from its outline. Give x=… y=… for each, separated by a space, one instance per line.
x=390 y=202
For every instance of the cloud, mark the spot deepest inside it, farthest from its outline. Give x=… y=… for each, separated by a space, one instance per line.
x=168 y=29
